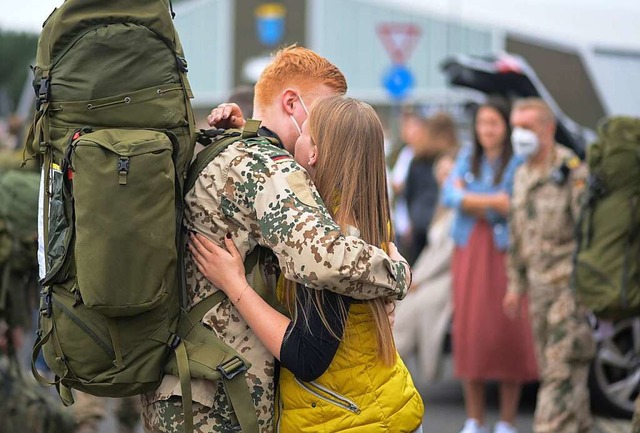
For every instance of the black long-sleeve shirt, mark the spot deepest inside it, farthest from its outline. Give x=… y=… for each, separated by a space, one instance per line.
x=308 y=347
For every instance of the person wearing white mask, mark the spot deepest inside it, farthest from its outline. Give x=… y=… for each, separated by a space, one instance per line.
x=255 y=193
x=545 y=203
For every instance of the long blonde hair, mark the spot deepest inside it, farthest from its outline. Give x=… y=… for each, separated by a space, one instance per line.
x=351 y=178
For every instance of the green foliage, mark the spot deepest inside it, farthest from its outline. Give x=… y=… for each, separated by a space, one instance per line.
x=17 y=52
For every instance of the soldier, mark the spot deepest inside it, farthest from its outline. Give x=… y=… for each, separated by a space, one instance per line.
x=258 y=195
x=544 y=210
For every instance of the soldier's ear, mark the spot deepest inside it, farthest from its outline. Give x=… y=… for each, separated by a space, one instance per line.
x=287 y=99
x=313 y=156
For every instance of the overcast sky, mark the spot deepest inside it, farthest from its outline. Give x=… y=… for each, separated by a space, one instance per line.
x=609 y=23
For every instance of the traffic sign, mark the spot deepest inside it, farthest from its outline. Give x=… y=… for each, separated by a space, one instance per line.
x=398 y=80
x=399 y=39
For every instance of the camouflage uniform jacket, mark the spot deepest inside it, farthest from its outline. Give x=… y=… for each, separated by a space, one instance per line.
x=544 y=210
x=260 y=195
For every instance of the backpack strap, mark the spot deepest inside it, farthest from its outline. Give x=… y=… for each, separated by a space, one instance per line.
x=216 y=358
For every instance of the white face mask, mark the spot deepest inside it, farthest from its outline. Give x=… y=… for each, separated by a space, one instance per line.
x=525 y=142
x=304 y=107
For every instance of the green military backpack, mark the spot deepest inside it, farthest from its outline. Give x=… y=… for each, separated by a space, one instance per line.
x=114 y=129
x=606 y=275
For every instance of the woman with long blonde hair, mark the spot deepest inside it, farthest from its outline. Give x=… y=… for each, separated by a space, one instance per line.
x=340 y=369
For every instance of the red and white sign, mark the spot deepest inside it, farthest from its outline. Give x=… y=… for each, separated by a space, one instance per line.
x=399 y=39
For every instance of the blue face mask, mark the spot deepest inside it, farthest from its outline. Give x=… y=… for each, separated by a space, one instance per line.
x=304 y=107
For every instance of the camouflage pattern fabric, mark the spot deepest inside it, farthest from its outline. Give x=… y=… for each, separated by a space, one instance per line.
x=564 y=347
x=545 y=206
x=260 y=195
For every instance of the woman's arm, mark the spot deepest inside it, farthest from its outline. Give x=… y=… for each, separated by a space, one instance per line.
x=479 y=204
x=225 y=270
x=306 y=347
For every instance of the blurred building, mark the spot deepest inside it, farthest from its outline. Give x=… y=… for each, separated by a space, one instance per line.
x=228 y=42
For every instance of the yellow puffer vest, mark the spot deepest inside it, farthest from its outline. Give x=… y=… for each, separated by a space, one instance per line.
x=357 y=393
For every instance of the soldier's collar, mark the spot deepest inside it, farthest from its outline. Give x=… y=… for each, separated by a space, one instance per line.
x=263 y=131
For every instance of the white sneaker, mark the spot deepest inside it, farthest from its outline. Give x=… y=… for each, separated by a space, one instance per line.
x=504 y=427
x=472 y=426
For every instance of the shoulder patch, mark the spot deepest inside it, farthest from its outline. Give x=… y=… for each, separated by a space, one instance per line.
x=573 y=163
x=298 y=183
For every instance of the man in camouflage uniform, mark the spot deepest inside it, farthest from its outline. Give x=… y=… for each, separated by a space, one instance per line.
x=260 y=196
x=545 y=205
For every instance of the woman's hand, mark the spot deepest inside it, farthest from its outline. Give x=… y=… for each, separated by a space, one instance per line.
x=511 y=304
x=225 y=116
x=224 y=268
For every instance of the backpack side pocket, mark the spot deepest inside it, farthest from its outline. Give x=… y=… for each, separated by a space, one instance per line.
x=124 y=207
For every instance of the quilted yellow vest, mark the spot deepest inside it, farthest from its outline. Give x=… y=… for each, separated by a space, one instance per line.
x=357 y=392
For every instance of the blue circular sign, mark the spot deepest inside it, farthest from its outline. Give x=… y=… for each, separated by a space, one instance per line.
x=398 y=80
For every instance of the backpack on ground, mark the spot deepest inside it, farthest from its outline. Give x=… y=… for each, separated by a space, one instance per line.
x=114 y=129
x=606 y=274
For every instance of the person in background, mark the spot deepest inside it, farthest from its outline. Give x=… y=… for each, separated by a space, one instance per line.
x=547 y=193
x=422 y=319
x=428 y=137
x=340 y=367
x=397 y=176
x=487 y=345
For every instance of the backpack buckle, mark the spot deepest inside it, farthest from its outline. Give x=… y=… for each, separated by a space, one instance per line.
x=232 y=367
x=174 y=341
x=45 y=304
x=182 y=64
x=43 y=90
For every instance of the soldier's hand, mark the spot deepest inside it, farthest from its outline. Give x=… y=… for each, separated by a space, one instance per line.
x=394 y=254
x=227 y=115
x=511 y=304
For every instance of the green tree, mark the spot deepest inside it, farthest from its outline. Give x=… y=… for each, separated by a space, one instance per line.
x=17 y=52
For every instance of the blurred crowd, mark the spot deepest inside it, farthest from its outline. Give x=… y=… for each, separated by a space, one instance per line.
x=503 y=292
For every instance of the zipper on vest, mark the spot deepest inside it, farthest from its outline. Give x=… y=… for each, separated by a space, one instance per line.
x=329 y=396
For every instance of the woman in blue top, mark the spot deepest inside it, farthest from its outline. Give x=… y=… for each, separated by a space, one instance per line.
x=487 y=345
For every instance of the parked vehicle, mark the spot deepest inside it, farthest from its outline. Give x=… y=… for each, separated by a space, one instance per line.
x=510 y=76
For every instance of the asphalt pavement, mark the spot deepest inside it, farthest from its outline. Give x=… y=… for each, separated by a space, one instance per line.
x=444 y=408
